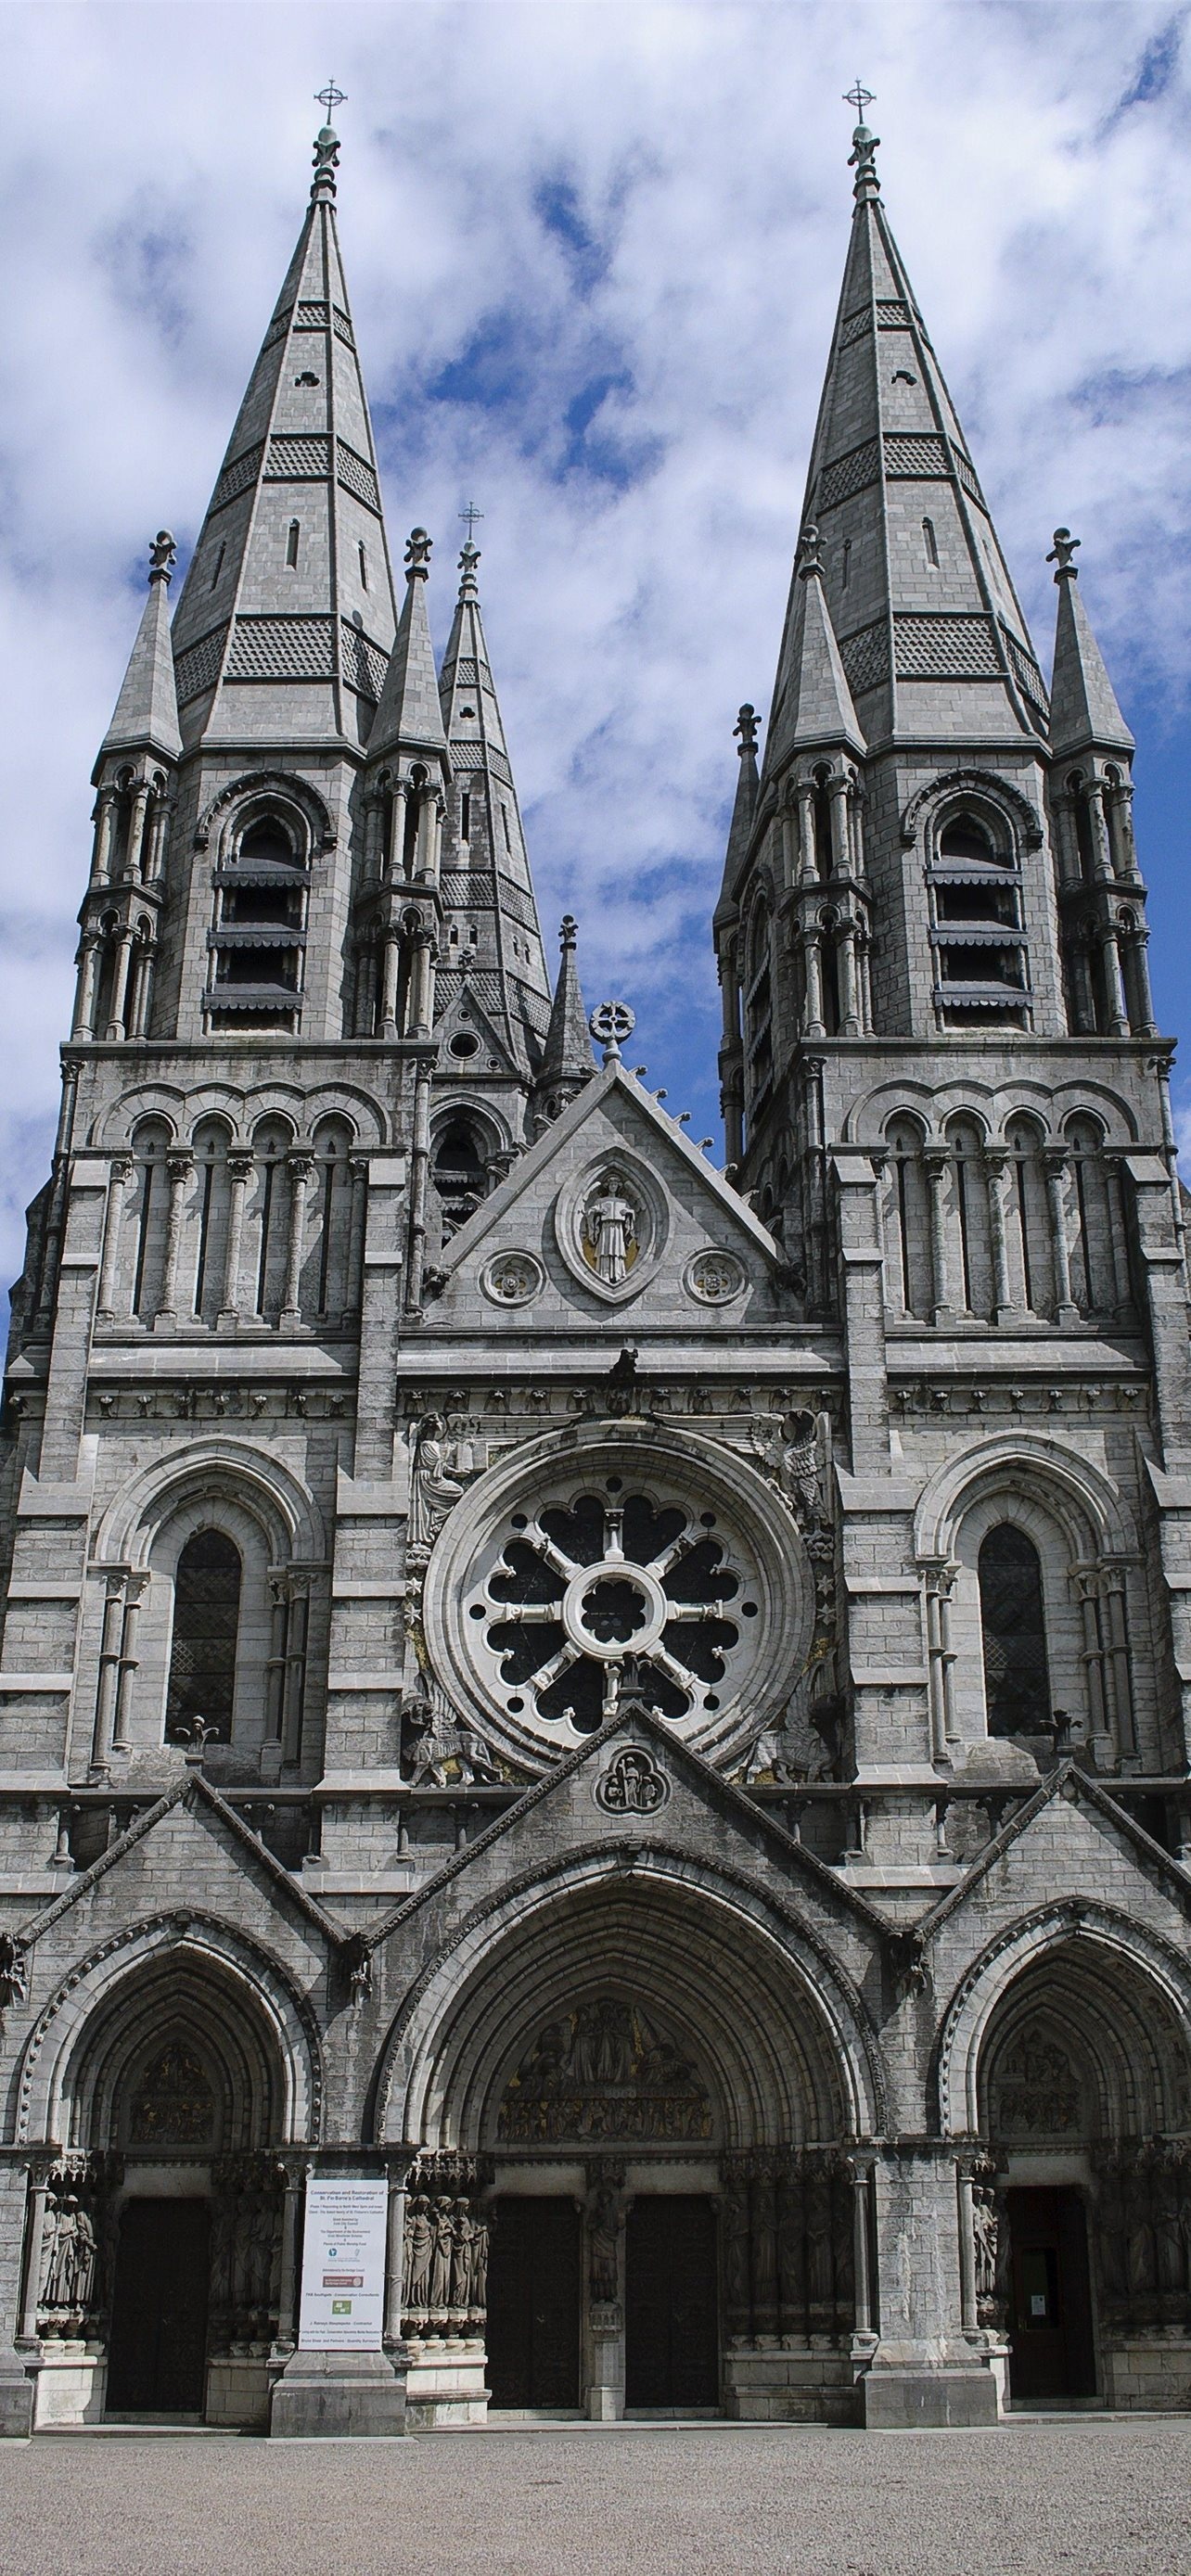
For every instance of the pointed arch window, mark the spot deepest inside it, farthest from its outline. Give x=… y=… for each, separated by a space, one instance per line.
x=259 y=932
x=1013 y=1630
x=202 y=1677
x=292 y=543
x=461 y=1172
x=908 y=1284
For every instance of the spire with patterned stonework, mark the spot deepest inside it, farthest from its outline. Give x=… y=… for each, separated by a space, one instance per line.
x=286 y=619
x=490 y=917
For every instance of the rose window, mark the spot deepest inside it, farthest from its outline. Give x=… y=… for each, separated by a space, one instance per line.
x=608 y=1587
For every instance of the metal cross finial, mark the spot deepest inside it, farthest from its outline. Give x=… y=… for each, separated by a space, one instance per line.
x=470 y=514
x=330 y=98
x=859 y=98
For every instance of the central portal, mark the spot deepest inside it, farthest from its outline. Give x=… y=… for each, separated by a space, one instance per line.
x=1050 y=2321
x=671 y=2310
x=158 y=2353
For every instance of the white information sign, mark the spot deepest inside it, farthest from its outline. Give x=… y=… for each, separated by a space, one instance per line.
x=343 y=2266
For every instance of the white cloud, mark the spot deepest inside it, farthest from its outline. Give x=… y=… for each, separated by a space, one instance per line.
x=694 y=158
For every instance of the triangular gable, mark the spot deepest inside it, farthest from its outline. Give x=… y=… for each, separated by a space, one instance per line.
x=689 y=1207
x=1069 y=1783
x=196 y=1793
x=703 y=1782
x=465 y=1010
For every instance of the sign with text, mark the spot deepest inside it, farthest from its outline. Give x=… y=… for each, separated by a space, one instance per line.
x=343 y=2266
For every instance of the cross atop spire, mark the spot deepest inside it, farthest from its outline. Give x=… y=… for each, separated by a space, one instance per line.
x=326 y=147
x=864 y=146
x=469 y=514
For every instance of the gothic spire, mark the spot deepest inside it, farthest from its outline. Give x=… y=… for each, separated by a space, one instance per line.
x=146 y=715
x=490 y=916
x=567 y=1060
x=1084 y=715
x=815 y=710
x=286 y=619
x=932 y=640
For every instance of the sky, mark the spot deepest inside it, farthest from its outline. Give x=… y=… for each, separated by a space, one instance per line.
x=593 y=249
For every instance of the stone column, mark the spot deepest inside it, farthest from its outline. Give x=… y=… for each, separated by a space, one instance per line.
x=180 y=1168
x=142 y=986
x=1054 y=1163
x=808 y=866
x=837 y=794
x=1114 y=989
x=388 y=991
x=419 y=1166
x=1138 y=996
x=105 y=820
x=862 y=2187
x=354 y=1267
x=936 y=1163
x=136 y=828
x=1102 y=854
x=924 y=2370
x=1119 y=801
x=157 y=829
x=301 y=1167
x=996 y=1168
x=84 y=1007
x=374 y=806
x=124 y=939
x=135 y=1590
x=122 y=1173
x=239 y=1168
x=849 y=1016
x=939 y=1576
x=110 y=1645
x=275 y=1668
x=287 y=2294
x=813 y=1026
x=39 y=2192
x=296 y=1632
x=419 y=1000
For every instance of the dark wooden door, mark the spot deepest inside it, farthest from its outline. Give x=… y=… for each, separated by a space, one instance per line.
x=157 y=2357
x=533 y=2304
x=1050 y=2324
x=671 y=2320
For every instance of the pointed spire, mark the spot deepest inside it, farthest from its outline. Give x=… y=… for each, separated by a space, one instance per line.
x=567 y=1060
x=743 y=809
x=1084 y=715
x=146 y=716
x=815 y=710
x=491 y=915
x=932 y=642
x=409 y=717
x=286 y=618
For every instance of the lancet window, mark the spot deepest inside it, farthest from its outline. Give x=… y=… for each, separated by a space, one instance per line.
x=202 y=1677
x=1013 y=1629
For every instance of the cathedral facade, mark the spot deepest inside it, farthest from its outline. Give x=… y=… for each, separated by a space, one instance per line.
x=634 y=1716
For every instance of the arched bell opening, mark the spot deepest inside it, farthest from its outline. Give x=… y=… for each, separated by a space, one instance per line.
x=155 y=2246
x=634 y=2114
x=1082 y=2213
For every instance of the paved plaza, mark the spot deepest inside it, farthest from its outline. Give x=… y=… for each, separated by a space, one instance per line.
x=1103 y=2498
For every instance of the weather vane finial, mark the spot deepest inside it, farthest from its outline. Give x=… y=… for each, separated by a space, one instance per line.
x=330 y=98
x=470 y=514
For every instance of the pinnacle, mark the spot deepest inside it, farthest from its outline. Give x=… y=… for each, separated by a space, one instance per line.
x=567 y=1061
x=1084 y=714
x=146 y=713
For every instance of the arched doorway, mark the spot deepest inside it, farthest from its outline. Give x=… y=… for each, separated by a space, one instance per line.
x=156 y=2238
x=1083 y=2212
x=639 y=2106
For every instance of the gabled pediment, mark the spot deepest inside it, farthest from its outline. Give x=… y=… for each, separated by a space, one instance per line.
x=615 y=1220
x=465 y=1018
x=193 y=1845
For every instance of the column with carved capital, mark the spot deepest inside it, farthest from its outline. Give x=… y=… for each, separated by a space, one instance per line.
x=105 y=833
x=849 y=1013
x=239 y=1167
x=134 y=1595
x=996 y=1168
x=89 y=951
x=301 y=1167
x=1132 y=945
x=936 y=1163
x=1114 y=984
x=119 y=1001
x=390 y=962
x=158 y=821
x=1054 y=1163
x=837 y=792
x=119 y=1184
x=812 y=944
x=180 y=1171
x=110 y=1646
x=136 y=828
x=939 y=1577
x=808 y=865
x=420 y=1002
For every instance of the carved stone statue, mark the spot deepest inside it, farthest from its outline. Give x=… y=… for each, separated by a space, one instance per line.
x=442 y=2258
x=69 y=2258
x=433 y=1736
x=985 y=2240
x=419 y=2255
x=603 y=2229
x=443 y=1459
x=609 y=1229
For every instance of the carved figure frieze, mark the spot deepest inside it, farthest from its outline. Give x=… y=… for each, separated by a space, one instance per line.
x=1142 y=2233
x=605 y=2070
x=446 y=2264
x=74 y=2258
x=787 y=2228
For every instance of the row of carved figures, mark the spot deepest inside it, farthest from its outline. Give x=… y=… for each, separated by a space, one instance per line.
x=446 y=2264
x=788 y=2243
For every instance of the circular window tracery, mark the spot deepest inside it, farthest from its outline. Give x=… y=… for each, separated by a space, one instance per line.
x=578 y=1572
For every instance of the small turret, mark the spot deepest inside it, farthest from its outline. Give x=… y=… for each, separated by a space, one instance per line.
x=567 y=1061
x=134 y=775
x=1084 y=715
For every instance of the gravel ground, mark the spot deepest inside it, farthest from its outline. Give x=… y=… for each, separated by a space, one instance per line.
x=1036 y=2498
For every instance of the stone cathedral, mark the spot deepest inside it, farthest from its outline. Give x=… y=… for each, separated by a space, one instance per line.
x=640 y=1711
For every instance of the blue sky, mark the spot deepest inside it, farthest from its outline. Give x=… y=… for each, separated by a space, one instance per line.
x=594 y=251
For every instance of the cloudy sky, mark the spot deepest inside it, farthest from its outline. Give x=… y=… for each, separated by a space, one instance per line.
x=594 y=251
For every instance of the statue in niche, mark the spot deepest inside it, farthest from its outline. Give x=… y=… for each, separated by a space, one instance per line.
x=609 y=1229
x=443 y=1460
x=419 y=2255
x=603 y=2231
x=70 y=2258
